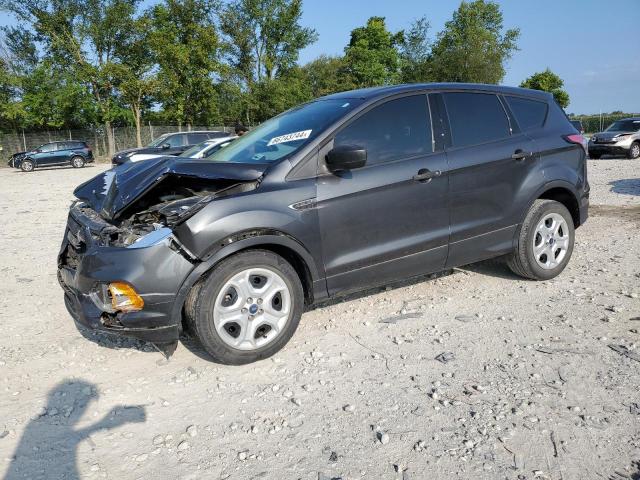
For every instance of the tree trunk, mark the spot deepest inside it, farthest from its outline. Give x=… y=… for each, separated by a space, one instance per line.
x=111 y=144
x=136 y=116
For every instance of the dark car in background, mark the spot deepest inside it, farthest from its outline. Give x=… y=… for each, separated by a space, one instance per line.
x=69 y=152
x=343 y=193
x=168 y=144
x=622 y=137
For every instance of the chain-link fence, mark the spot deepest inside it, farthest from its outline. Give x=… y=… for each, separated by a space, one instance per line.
x=124 y=137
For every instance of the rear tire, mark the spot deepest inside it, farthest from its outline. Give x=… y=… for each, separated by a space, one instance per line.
x=77 y=162
x=247 y=308
x=545 y=242
x=634 y=151
x=27 y=166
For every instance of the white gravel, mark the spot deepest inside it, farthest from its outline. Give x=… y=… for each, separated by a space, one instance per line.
x=533 y=389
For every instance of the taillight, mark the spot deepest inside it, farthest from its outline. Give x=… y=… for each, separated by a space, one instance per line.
x=576 y=139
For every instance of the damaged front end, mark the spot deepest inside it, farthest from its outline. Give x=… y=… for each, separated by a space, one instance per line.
x=121 y=264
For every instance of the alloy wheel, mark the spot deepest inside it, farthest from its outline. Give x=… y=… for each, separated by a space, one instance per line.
x=551 y=241
x=252 y=308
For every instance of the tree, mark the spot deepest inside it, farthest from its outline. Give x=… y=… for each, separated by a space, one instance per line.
x=415 y=53
x=185 y=45
x=372 y=55
x=137 y=83
x=264 y=36
x=263 y=42
x=53 y=98
x=548 y=81
x=472 y=47
x=326 y=75
x=11 y=109
x=281 y=93
x=81 y=36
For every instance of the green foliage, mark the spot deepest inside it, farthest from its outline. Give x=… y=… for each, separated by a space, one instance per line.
x=265 y=36
x=472 y=47
x=549 y=82
x=372 y=57
x=185 y=46
x=326 y=75
x=263 y=42
x=11 y=111
x=76 y=63
x=279 y=94
x=415 y=57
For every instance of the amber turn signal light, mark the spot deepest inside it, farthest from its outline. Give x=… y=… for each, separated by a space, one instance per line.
x=124 y=298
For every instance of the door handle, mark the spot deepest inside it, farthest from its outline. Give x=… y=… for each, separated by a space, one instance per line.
x=519 y=154
x=424 y=174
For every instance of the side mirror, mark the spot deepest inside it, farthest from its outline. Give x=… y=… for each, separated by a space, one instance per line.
x=346 y=157
x=164 y=146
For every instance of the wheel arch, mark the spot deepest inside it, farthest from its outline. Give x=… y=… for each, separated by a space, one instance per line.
x=562 y=192
x=277 y=242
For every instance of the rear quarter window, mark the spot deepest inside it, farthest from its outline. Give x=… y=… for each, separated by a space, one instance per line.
x=475 y=118
x=529 y=114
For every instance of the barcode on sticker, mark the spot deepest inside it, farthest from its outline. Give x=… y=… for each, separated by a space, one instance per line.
x=290 y=137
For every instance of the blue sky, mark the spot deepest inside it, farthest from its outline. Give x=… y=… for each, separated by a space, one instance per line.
x=593 y=45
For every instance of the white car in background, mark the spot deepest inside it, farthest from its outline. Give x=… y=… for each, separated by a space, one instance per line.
x=201 y=150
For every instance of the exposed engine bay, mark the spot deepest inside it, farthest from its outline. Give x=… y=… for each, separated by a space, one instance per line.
x=168 y=202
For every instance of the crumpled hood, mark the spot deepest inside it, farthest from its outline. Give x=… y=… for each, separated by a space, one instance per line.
x=112 y=191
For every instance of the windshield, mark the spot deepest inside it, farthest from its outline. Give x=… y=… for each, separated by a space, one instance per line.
x=285 y=134
x=191 y=152
x=624 y=126
x=158 y=141
x=209 y=153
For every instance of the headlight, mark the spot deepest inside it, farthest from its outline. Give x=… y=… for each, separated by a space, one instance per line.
x=151 y=238
x=594 y=138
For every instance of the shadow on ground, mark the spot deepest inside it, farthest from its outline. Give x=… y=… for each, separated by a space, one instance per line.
x=626 y=186
x=48 y=447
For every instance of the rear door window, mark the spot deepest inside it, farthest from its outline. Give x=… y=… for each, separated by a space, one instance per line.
x=475 y=118
x=49 y=147
x=529 y=113
x=396 y=129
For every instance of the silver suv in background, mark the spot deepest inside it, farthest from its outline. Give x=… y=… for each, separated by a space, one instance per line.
x=622 y=137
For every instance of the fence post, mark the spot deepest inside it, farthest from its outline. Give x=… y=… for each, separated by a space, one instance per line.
x=24 y=140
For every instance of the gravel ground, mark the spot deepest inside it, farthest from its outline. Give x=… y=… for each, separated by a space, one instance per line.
x=532 y=388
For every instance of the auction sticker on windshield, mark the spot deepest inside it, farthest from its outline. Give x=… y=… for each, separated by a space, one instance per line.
x=290 y=137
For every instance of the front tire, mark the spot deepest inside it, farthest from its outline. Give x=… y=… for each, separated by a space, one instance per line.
x=545 y=243
x=634 y=151
x=27 y=166
x=77 y=162
x=247 y=308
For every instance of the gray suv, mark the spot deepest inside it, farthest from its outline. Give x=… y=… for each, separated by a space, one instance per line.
x=622 y=137
x=344 y=193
